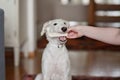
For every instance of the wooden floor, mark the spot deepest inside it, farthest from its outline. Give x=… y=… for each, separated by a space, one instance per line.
x=83 y=63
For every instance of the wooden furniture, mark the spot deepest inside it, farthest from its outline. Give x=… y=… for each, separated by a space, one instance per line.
x=82 y=43
x=20 y=24
x=2 y=55
x=14 y=31
x=94 y=7
x=11 y=10
x=93 y=19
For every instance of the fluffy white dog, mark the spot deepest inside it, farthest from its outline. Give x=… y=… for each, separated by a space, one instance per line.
x=55 y=59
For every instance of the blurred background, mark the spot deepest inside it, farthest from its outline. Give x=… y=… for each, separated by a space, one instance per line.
x=90 y=59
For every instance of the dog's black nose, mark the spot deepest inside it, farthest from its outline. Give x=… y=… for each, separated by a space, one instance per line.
x=64 y=29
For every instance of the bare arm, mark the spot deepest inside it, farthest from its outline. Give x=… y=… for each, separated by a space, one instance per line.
x=107 y=35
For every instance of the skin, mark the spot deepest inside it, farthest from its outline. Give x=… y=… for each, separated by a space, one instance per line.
x=107 y=35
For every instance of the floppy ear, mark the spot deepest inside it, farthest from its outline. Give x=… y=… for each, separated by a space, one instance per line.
x=45 y=25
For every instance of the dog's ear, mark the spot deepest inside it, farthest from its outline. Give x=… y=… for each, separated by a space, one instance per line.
x=45 y=25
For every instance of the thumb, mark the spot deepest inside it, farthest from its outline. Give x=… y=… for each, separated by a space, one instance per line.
x=71 y=29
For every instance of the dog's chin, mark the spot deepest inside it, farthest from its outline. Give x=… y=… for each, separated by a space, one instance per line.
x=63 y=39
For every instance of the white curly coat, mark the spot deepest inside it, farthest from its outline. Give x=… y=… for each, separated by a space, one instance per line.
x=55 y=59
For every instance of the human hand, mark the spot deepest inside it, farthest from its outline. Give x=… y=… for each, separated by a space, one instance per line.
x=74 y=32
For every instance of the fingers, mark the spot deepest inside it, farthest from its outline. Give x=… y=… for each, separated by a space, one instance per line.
x=71 y=29
x=72 y=33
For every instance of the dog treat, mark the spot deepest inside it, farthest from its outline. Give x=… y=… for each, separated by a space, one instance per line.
x=55 y=53
x=57 y=34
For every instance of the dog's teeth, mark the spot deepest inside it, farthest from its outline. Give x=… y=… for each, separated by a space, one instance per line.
x=57 y=34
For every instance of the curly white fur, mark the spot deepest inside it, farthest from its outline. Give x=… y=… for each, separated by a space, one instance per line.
x=55 y=59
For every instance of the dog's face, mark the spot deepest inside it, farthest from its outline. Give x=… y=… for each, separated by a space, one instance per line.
x=55 y=26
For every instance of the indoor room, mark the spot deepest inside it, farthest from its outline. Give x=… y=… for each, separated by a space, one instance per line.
x=93 y=56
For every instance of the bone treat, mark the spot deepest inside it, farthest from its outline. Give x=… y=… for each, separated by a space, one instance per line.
x=57 y=34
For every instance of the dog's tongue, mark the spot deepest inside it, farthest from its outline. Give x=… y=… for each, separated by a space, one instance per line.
x=62 y=38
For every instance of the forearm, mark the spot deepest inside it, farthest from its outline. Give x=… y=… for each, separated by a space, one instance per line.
x=107 y=35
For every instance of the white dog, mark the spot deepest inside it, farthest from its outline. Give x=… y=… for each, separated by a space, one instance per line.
x=55 y=59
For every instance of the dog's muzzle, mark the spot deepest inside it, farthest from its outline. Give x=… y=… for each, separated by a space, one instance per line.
x=63 y=38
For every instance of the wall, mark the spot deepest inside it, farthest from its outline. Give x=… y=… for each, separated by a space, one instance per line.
x=71 y=12
x=51 y=9
x=45 y=10
x=23 y=21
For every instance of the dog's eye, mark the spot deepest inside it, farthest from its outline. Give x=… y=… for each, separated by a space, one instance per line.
x=55 y=24
x=64 y=23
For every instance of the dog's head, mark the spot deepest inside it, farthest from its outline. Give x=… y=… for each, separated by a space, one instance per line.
x=55 y=26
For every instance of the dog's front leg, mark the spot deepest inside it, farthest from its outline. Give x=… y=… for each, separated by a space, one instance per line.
x=39 y=77
x=46 y=77
x=65 y=77
x=66 y=73
x=47 y=74
x=46 y=71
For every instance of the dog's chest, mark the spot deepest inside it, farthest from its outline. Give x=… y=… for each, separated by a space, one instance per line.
x=55 y=54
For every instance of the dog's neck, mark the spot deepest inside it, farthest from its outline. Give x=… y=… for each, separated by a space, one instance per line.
x=58 y=45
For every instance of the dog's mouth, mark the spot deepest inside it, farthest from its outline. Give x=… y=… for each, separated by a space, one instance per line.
x=62 y=38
